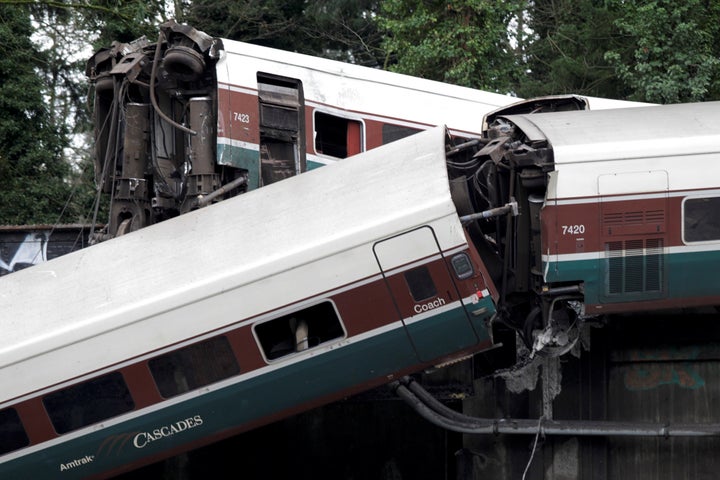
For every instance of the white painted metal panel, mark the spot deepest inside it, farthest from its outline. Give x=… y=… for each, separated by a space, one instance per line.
x=682 y=139
x=355 y=88
x=215 y=266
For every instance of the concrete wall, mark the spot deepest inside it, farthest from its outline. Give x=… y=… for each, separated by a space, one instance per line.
x=642 y=368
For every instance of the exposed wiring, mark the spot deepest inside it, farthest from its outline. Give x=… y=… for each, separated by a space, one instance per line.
x=532 y=454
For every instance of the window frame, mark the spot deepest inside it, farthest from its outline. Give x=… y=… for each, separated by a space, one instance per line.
x=343 y=116
x=186 y=349
x=683 y=219
x=289 y=312
x=18 y=438
x=76 y=389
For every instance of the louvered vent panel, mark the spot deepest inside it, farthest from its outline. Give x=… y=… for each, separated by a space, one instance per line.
x=616 y=267
x=634 y=266
x=655 y=216
x=633 y=223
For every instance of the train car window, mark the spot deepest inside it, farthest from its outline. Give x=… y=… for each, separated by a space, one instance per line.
x=391 y=132
x=299 y=330
x=12 y=432
x=337 y=136
x=701 y=221
x=420 y=283
x=462 y=265
x=88 y=402
x=193 y=366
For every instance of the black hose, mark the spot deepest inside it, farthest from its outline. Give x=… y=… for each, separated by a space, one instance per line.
x=432 y=416
x=442 y=416
x=153 y=100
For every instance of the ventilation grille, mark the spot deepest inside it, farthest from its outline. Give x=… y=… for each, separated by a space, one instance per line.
x=633 y=223
x=634 y=266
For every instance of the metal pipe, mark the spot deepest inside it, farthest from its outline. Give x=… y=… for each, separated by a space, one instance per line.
x=438 y=414
x=204 y=200
x=493 y=212
x=561 y=290
x=463 y=146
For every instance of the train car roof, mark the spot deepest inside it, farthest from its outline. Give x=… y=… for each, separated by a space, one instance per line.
x=106 y=288
x=683 y=140
x=358 y=89
x=396 y=96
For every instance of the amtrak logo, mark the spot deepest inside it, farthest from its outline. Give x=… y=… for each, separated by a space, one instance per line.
x=78 y=462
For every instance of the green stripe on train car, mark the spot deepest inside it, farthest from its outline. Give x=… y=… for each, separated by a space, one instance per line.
x=203 y=413
x=240 y=157
x=674 y=277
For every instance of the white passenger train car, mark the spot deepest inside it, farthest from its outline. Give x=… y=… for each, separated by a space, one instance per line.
x=228 y=317
x=227 y=114
x=619 y=211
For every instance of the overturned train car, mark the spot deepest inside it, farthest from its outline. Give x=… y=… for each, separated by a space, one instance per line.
x=229 y=317
x=611 y=211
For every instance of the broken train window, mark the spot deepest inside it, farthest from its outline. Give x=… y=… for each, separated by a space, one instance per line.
x=299 y=330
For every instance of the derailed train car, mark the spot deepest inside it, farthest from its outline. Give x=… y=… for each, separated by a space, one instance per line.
x=239 y=314
x=616 y=211
x=276 y=301
x=190 y=119
x=178 y=119
x=335 y=281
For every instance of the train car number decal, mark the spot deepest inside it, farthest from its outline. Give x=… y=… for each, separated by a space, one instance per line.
x=573 y=229
x=241 y=117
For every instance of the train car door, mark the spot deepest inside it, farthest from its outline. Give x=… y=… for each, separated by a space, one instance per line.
x=424 y=293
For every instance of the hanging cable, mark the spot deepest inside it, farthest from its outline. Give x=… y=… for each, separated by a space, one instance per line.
x=532 y=454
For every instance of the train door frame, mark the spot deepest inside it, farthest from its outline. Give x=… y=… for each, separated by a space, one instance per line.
x=281 y=127
x=397 y=257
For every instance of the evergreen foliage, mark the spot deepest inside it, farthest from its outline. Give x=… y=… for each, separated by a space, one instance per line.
x=649 y=50
x=566 y=53
x=670 y=52
x=34 y=176
x=465 y=42
x=340 y=29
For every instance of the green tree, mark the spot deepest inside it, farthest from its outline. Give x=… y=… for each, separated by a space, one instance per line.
x=566 y=51
x=340 y=29
x=671 y=52
x=465 y=42
x=273 y=23
x=345 y=30
x=102 y=22
x=34 y=175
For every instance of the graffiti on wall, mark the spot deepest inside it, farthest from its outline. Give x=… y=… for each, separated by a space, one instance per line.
x=664 y=366
x=25 y=246
x=30 y=251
